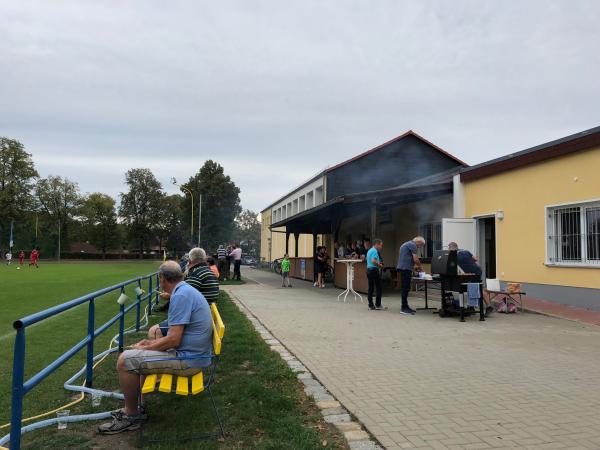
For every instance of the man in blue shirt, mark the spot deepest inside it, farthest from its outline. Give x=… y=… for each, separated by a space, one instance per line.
x=407 y=259
x=189 y=336
x=374 y=266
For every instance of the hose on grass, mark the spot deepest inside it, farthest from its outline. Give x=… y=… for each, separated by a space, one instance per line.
x=82 y=389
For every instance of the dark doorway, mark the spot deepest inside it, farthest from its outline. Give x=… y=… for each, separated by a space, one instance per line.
x=487 y=246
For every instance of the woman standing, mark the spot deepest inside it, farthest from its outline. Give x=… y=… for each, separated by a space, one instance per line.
x=321 y=266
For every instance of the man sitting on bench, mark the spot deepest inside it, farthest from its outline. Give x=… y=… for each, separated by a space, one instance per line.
x=190 y=335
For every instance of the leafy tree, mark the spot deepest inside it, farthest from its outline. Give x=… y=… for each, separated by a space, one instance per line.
x=220 y=204
x=170 y=226
x=59 y=199
x=248 y=231
x=141 y=206
x=100 y=221
x=17 y=177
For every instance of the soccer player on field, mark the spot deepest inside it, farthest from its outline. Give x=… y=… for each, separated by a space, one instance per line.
x=8 y=258
x=21 y=257
x=34 y=258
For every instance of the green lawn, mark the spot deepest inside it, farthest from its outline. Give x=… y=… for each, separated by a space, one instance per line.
x=27 y=291
x=261 y=402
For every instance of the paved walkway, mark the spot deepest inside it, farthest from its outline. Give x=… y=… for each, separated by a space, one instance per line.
x=521 y=381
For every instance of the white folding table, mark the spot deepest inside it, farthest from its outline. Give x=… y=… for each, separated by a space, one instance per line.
x=349 y=278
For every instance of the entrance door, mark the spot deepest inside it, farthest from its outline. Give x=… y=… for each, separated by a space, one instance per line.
x=461 y=231
x=486 y=248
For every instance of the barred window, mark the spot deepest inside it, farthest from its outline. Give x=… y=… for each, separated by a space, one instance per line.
x=432 y=232
x=574 y=234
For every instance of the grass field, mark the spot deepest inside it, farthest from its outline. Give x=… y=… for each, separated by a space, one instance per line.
x=260 y=399
x=27 y=291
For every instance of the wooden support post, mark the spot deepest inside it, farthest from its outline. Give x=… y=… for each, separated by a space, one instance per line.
x=373 y=220
x=296 y=239
x=314 y=252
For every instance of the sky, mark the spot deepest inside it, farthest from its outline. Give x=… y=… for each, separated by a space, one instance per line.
x=275 y=91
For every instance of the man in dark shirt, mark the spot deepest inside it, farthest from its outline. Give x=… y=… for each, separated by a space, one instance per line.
x=466 y=260
x=407 y=259
x=200 y=277
x=468 y=264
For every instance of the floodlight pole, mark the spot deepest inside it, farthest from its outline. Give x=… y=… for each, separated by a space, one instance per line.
x=199 y=217
x=174 y=181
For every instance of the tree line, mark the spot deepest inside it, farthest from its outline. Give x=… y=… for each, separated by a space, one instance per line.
x=51 y=213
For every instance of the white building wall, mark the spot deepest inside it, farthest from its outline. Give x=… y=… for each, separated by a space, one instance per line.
x=306 y=198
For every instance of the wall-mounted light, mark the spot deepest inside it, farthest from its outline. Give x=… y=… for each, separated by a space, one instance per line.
x=500 y=215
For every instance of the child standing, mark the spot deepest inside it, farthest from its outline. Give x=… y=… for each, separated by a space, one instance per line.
x=285 y=271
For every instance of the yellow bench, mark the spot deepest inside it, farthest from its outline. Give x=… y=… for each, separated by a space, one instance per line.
x=163 y=382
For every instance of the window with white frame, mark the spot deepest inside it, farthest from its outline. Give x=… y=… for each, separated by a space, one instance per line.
x=573 y=234
x=432 y=232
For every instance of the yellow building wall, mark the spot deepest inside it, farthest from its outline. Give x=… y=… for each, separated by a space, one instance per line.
x=523 y=195
x=276 y=238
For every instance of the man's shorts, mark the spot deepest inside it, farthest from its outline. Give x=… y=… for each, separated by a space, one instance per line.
x=135 y=361
x=285 y=274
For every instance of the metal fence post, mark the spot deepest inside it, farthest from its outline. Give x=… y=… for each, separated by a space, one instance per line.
x=157 y=287
x=17 y=390
x=138 y=305
x=89 y=373
x=121 y=323
x=150 y=295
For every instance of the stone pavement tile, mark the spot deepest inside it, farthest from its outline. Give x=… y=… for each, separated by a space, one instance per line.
x=356 y=435
x=363 y=445
x=348 y=426
x=333 y=411
x=336 y=418
x=325 y=405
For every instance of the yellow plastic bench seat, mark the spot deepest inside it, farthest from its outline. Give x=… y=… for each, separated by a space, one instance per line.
x=182 y=386
x=149 y=384
x=197 y=383
x=220 y=326
x=165 y=383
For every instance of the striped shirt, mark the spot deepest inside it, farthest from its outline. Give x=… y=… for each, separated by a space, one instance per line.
x=221 y=253
x=204 y=280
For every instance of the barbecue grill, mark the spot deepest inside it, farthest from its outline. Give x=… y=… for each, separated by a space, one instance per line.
x=444 y=265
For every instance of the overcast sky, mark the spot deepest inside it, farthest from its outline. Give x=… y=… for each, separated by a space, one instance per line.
x=277 y=90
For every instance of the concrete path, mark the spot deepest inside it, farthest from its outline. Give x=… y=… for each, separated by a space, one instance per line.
x=521 y=381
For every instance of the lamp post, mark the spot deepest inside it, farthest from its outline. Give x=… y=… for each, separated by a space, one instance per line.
x=174 y=181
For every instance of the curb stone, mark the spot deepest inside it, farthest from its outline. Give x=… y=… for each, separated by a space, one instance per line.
x=332 y=410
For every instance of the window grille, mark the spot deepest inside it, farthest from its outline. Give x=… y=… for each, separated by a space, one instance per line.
x=574 y=234
x=592 y=220
x=432 y=232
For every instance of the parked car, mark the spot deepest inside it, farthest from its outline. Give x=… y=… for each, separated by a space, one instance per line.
x=248 y=260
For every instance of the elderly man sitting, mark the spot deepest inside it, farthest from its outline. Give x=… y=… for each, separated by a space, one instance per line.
x=190 y=336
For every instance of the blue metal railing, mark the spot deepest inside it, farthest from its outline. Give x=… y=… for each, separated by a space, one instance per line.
x=20 y=387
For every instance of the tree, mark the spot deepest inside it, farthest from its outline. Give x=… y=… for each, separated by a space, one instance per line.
x=220 y=204
x=170 y=227
x=17 y=177
x=59 y=199
x=248 y=231
x=100 y=221
x=141 y=206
